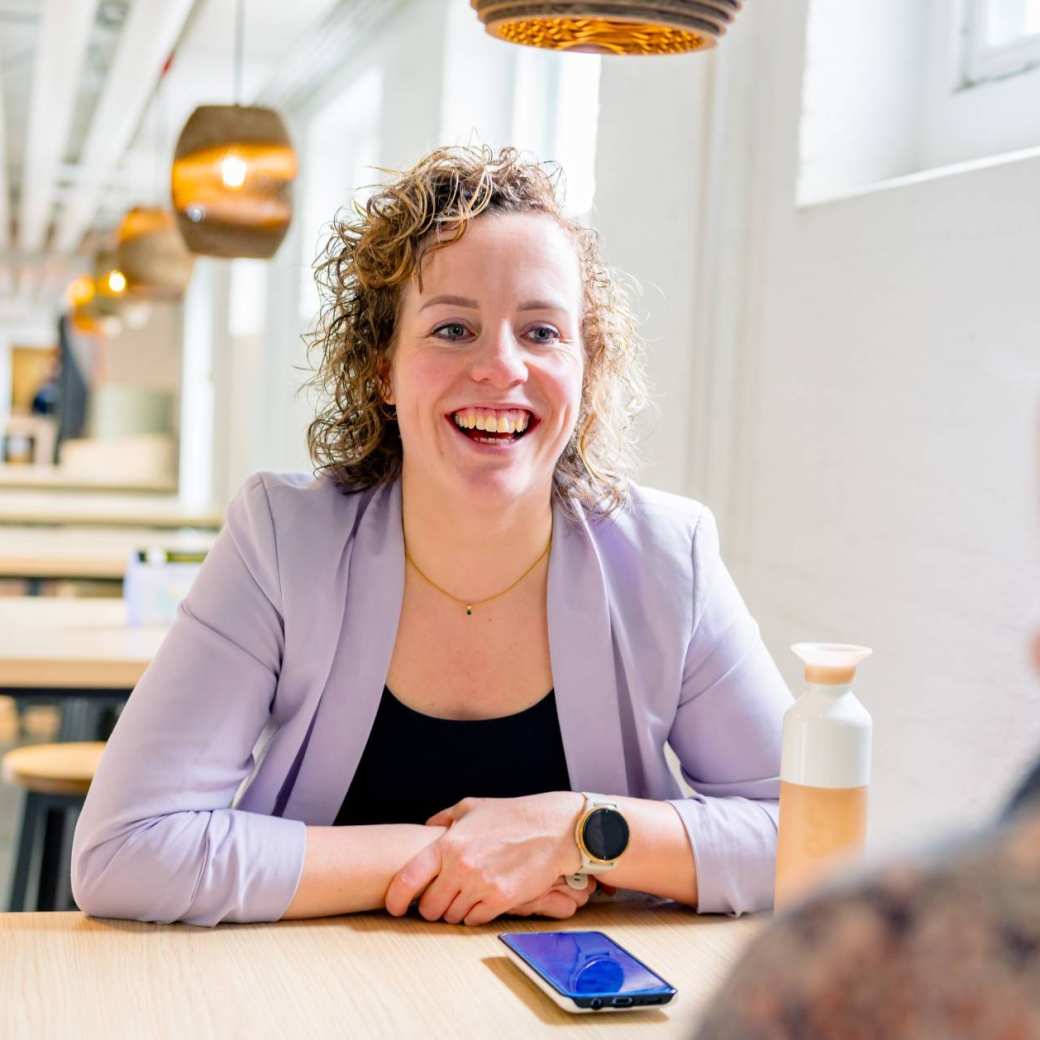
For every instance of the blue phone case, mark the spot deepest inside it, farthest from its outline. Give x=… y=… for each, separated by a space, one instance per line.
x=587 y=971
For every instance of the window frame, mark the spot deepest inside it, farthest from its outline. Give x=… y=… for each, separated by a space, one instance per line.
x=985 y=62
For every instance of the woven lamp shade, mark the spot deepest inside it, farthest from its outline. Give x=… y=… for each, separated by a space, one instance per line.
x=152 y=255
x=609 y=26
x=109 y=283
x=92 y=311
x=232 y=181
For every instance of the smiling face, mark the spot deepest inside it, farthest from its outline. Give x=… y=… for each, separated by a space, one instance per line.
x=486 y=370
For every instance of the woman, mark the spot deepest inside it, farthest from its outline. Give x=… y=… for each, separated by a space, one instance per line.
x=400 y=680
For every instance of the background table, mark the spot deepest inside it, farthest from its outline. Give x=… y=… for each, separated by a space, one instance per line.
x=84 y=553
x=58 y=649
x=105 y=509
x=55 y=478
x=359 y=976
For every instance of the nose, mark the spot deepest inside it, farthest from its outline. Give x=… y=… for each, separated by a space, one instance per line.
x=499 y=359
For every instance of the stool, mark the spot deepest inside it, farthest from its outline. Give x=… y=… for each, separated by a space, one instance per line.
x=55 y=778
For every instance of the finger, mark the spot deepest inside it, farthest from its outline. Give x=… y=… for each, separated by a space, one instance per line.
x=445 y=818
x=579 y=899
x=524 y=909
x=460 y=906
x=412 y=879
x=555 y=904
x=480 y=914
x=439 y=895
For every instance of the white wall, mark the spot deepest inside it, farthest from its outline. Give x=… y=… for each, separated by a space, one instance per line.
x=649 y=185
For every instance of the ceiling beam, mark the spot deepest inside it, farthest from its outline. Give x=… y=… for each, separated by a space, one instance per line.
x=150 y=32
x=64 y=29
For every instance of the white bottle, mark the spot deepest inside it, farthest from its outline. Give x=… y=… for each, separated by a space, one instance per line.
x=824 y=771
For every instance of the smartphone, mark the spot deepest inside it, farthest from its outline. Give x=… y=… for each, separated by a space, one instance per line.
x=586 y=971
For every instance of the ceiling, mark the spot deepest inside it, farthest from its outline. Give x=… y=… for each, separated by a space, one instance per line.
x=84 y=132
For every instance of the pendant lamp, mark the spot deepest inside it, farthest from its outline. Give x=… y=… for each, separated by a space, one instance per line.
x=91 y=312
x=232 y=176
x=232 y=181
x=609 y=26
x=152 y=255
x=109 y=282
x=80 y=298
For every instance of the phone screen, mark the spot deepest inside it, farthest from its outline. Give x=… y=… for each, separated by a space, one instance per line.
x=585 y=963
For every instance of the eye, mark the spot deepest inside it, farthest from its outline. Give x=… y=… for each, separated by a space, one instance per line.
x=449 y=325
x=546 y=328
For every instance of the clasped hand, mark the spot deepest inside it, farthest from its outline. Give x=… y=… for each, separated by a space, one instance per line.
x=498 y=855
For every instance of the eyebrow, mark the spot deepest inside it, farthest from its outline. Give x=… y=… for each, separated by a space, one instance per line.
x=465 y=301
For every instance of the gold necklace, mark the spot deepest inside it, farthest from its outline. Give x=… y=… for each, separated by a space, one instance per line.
x=480 y=602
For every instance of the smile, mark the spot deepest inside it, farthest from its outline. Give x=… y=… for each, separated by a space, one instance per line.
x=493 y=427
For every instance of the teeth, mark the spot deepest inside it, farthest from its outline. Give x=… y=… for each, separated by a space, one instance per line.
x=511 y=421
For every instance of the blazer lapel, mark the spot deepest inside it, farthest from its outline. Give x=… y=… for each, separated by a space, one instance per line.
x=582 y=656
x=340 y=729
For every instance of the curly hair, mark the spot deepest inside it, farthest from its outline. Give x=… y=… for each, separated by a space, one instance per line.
x=361 y=273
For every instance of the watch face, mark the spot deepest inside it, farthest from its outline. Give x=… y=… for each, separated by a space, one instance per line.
x=605 y=833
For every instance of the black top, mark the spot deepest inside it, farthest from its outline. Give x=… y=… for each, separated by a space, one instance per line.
x=415 y=765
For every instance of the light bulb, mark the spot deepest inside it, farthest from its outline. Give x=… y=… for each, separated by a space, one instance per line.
x=233 y=171
x=116 y=281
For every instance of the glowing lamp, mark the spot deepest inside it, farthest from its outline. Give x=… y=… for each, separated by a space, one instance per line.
x=231 y=181
x=152 y=255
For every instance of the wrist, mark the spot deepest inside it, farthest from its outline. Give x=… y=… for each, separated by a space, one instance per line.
x=572 y=806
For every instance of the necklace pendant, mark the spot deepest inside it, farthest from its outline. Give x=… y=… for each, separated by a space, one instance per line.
x=469 y=610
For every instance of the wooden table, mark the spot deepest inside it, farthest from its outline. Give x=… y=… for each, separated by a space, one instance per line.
x=95 y=553
x=78 y=650
x=356 y=977
x=13 y=475
x=102 y=509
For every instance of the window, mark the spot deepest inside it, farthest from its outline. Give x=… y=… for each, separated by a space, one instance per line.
x=894 y=89
x=342 y=147
x=556 y=114
x=1003 y=39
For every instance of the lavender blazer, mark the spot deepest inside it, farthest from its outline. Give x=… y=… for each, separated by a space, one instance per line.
x=250 y=721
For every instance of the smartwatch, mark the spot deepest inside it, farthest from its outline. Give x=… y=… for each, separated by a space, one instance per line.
x=601 y=834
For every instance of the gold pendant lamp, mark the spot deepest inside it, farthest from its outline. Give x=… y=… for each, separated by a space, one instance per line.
x=80 y=297
x=109 y=282
x=232 y=177
x=95 y=300
x=609 y=26
x=152 y=255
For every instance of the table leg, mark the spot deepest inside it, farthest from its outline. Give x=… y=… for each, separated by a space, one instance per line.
x=24 y=854
x=50 y=861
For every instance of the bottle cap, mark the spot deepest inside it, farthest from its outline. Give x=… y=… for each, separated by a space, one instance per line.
x=832 y=664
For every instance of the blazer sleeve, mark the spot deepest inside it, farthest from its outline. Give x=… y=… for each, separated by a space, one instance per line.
x=157 y=839
x=727 y=736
